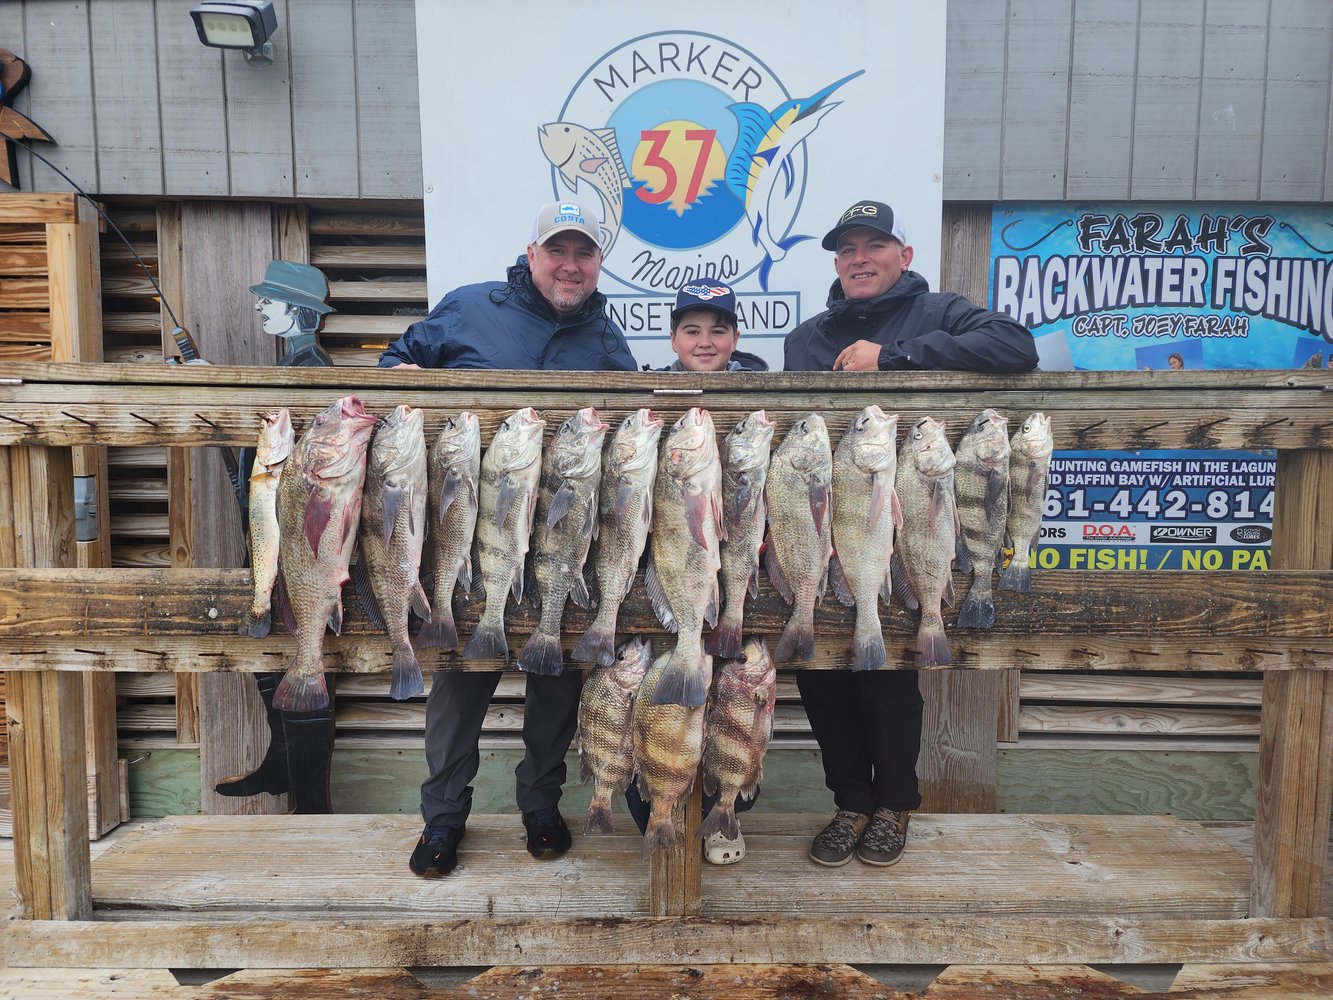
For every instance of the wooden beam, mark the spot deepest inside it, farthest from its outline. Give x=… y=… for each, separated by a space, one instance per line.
x=350 y=943
x=1296 y=742
x=958 y=735
x=676 y=873
x=30 y=209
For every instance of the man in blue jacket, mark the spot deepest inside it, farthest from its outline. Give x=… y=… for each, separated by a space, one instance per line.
x=547 y=315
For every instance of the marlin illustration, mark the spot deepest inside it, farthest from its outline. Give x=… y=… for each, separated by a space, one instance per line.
x=763 y=150
x=593 y=155
x=14 y=75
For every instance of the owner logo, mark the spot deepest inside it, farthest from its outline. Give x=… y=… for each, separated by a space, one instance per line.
x=1251 y=534
x=1183 y=533
x=696 y=152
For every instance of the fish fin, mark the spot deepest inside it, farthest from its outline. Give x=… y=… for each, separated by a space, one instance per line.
x=935 y=505
x=932 y=645
x=507 y=495
x=589 y=164
x=596 y=646
x=742 y=497
x=624 y=493
x=599 y=817
x=660 y=834
x=561 y=504
x=819 y=504
x=962 y=560
x=440 y=632
x=897 y=511
x=255 y=626
x=881 y=487
x=949 y=597
x=1035 y=476
x=868 y=651
x=336 y=618
x=405 y=679
x=465 y=573
x=657 y=597
x=284 y=605
x=578 y=591
x=608 y=137
x=720 y=819
x=487 y=643
x=683 y=683
x=318 y=510
x=542 y=655
x=797 y=637
x=365 y=593
x=299 y=693
x=478 y=589
x=976 y=613
x=697 y=508
x=902 y=586
x=724 y=640
x=420 y=602
x=523 y=578
x=448 y=493
x=393 y=497
x=648 y=508
x=752 y=584
x=754 y=121
x=774 y=571
x=997 y=489
x=590 y=520
x=841 y=590
x=886 y=587
x=765 y=266
x=1017 y=577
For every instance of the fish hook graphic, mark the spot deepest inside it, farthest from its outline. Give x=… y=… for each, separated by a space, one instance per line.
x=1295 y=232
x=1038 y=242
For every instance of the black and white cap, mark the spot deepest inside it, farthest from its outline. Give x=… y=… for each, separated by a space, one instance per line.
x=870 y=214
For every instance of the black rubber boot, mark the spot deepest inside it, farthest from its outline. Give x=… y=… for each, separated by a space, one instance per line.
x=271 y=776
x=309 y=759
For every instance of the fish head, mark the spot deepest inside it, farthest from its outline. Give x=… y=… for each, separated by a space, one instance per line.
x=459 y=441
x=806 y=446
x=577 y=448
x=872 y=440
x=335 y=443
x=517 y=443
x=926 y=449
x=399 y=445
x=560 y=141
x=692 y=443
x=757 y=663
x=1033 y=439
x=632 y=660
x=750 y=441
x=989 y=436
x=276 y=438
x=634 y=445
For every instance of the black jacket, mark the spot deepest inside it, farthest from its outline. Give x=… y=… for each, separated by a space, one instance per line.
x=918 y=328
x=509 y=325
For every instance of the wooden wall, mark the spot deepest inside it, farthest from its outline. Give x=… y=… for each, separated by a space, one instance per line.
x=1045 y=100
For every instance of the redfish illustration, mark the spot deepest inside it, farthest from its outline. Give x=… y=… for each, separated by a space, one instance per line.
x=593 y=156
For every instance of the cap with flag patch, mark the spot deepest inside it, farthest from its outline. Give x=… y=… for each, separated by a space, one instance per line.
x=565 y=217
x=705 y=293
x=871 y=215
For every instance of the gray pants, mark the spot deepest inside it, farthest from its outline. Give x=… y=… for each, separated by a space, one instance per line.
x=455 y=711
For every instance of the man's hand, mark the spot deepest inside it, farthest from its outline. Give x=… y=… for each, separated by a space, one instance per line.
x=863 y=356
x=406 y=364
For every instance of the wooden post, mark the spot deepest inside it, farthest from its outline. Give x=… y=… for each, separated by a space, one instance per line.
x=1295 y=793
x=676 y=874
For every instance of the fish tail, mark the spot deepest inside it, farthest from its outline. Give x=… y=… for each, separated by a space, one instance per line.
x=440 y=632
x=868 y=644
x=302 y=692
x=660 y=833
x=797 y=637
x=256 y=626
x=1018 y=576
x=542 y=655
x=725 y=638
x=977 y=611
x=721 y=819
x=405 y=678
x=599 y=813
x=932 y=645
x=682 y=683
x=598 y=645
x=487 y=643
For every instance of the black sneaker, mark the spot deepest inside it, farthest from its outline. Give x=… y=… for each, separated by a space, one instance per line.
x=436 y=852
x=548 y=836
x=834 y=845
x=883 y=842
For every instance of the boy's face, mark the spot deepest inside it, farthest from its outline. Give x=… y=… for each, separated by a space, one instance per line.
x=704 y=340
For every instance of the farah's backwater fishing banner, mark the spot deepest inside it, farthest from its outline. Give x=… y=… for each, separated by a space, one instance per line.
x=714 y=140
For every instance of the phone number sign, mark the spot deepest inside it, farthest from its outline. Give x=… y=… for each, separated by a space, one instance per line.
x=1158 y=510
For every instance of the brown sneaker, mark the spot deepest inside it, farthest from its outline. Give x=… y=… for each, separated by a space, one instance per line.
x=834 y=845
x=883 y=842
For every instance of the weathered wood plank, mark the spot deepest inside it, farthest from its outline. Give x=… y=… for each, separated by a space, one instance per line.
x=354 y=223
x=22 y=260
x=1143 y=690
x=1101 y=100
x=1166 y=100
x=193 y=109
x=24 y=293
x=386 y=88
x=1036 y=102
x=259 y=120
x=373 y=290
x=386 y=257
x=56 y=45
x=974 y=99
x=1231 y=102
x=325 y=122
x=125 y=98
x=956 y=766
x=1123 y=719
x=1297 y=93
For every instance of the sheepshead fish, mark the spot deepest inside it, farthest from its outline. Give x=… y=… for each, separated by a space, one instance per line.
x=624 y=515
x=737 y=728
x=681 y=580
x=605 y=742
x=1029 y=461
x=276 y=441
x=981 y=486
x=745 y=455
x=393 y=531
x=319 y=510
x=506 y=506
x=566 y=526
x=866 y=514
x=454 y=470
x=800 y=480
x=930 y=526
x=668 y=745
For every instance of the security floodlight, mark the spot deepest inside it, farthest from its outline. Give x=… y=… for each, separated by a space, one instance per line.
x=237 y=24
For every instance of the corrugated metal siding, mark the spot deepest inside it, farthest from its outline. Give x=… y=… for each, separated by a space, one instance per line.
x=1046 y=100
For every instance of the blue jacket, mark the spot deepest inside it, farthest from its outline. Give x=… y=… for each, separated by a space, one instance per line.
x=509 y=325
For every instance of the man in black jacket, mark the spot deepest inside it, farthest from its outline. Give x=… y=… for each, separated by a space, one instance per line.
x=882 y=316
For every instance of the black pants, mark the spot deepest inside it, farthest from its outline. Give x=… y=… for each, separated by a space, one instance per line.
x=868 y=724
x=455 y=711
